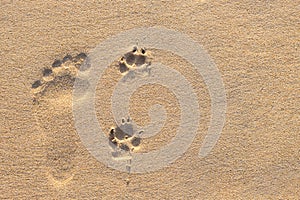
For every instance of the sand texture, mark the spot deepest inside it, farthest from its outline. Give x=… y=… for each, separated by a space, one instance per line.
x=255 y=46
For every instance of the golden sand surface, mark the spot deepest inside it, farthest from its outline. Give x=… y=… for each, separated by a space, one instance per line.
x=254 y=44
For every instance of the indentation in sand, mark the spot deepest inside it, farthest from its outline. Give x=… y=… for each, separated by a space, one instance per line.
x=67 y=67
x=125 y=137
x=135 y=63
x=52 y=97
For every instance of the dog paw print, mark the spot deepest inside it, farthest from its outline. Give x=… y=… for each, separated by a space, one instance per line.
x=135 y=63
x=125 y=137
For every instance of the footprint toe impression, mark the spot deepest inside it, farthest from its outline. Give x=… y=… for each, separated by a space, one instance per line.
x=52 y=96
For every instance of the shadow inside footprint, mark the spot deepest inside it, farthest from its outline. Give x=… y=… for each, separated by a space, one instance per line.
x=47 y=72
x=123 y=68
x=36 y=84
x=136 y=141
x=140 y=60
x=56 y=63
x=120 y=134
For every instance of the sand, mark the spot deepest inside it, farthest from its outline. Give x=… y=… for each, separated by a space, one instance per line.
x=254 y=44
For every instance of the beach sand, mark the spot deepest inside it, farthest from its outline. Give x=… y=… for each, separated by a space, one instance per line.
x=254 y=44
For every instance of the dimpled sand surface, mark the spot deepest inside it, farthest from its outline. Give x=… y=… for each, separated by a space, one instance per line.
x=254 y=44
